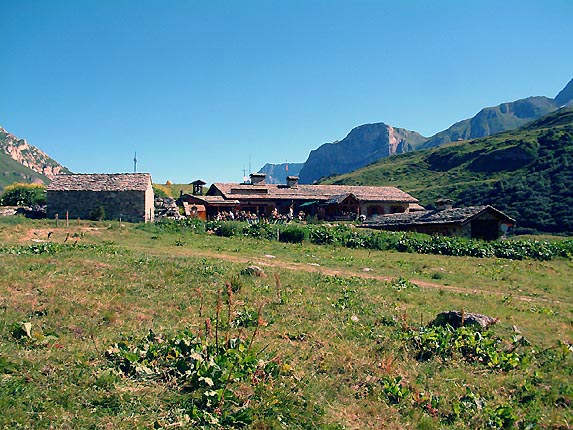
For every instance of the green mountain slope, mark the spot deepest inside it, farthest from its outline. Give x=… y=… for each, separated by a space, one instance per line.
x=492 y=120
x=528 y=173
x=11 y=171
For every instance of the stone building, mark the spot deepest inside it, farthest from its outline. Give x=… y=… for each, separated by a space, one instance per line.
x=476 y=222
x=331 y=202
x=128 y=196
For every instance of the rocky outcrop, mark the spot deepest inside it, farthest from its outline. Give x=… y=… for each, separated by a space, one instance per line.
x=29 y=156
x=458 y=319
x=166 y=207
x=363 y=145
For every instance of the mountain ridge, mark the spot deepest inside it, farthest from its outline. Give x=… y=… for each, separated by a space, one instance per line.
x=329 y=159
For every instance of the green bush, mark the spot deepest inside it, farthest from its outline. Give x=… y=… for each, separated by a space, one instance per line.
x=98 y=214
x=293 y=234
x=229 y=229
x=194 y=225
x=23 y=195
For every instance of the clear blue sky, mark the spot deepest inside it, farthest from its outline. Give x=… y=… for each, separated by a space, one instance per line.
x=198 y=87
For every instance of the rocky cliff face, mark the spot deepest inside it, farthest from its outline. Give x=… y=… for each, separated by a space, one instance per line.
x=29 y=156
x=363 y=145
x=277 y=173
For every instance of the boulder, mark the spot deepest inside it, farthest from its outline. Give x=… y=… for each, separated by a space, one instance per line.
x=254 y=271
x=457 y=319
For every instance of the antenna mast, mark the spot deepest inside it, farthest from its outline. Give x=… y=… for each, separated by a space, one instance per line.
x=135 y=162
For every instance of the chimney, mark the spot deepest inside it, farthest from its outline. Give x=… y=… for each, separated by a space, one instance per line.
x=444 y=204
x=258 y=178
x=292 y=181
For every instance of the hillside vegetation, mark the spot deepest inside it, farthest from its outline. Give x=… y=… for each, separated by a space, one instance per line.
x=526 y=173
x=11 y=171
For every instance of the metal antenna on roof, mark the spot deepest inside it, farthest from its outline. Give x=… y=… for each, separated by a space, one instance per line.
x=135 y=162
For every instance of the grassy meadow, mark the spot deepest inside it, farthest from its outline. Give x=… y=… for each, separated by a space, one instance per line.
x=108 y=326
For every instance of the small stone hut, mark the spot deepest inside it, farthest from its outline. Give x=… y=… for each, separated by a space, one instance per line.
x=128 y=196
x=476 y=222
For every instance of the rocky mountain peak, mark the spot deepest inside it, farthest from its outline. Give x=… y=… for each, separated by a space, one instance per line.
x=565 y=96
x=29 y=156
x=363 y=145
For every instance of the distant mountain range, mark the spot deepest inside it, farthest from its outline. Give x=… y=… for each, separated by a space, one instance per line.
x=277 y=173
x=371 y=142
x=527 y=173
x=22 y=162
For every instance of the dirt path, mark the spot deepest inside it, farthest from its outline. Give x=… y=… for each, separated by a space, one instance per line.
x=271 y=261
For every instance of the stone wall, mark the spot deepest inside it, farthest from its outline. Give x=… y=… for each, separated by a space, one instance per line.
x=383 y=208
x=131 y=206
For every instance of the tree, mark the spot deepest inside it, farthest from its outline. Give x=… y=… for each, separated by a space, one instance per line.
x=19 y=194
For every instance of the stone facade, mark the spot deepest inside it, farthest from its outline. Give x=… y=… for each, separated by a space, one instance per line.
x=126 y=196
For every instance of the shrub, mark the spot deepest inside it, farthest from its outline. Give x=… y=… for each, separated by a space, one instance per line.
x=293 y=234
x=194 y=225
x=23 y=195
x=321 y=235
x=229 y=229
x=98 y=214
x=261 y=231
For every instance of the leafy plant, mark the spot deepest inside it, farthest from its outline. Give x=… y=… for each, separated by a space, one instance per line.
x=209 y=373
x=470 y=344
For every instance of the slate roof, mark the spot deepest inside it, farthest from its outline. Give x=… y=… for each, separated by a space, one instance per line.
x=310 y=192
x=336 y=200
x=211 y=200
x=100 y=182
x=445 y=216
